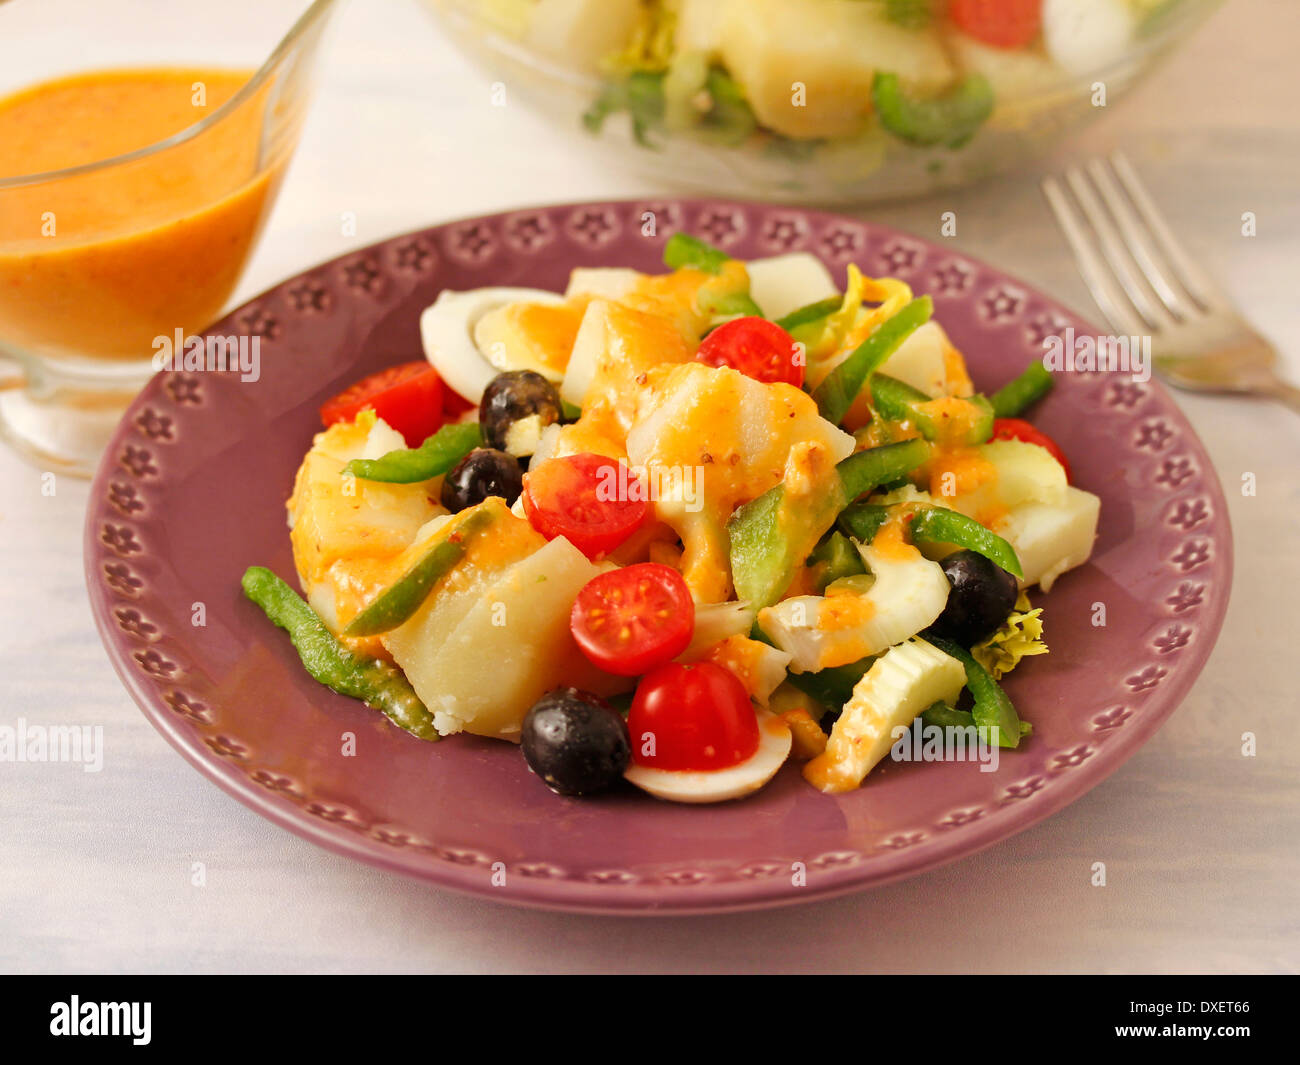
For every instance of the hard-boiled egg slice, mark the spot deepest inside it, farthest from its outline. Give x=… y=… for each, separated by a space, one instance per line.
x=530 y=336
x=447 y=330
x=719 y=785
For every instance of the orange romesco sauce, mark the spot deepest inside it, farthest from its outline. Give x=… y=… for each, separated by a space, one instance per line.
x=954 y=370
x=677 y=296
x=100 y=263
x=959 y=471
x=550 y=329
x=953 y=416
x=890 y=542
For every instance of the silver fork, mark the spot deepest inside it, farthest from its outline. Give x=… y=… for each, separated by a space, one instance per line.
x=1147 y=285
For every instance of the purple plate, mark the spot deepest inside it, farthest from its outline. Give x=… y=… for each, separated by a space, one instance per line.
x=192 y=490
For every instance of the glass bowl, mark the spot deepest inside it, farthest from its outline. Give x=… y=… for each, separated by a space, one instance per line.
x=819 y=101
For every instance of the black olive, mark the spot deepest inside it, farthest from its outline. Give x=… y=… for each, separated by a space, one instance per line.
x=483 y=472
x=510 y=398
x=981 y=596
x=576 y=742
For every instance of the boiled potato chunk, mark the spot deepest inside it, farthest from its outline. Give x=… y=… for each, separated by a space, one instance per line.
x=927 y=361
x=701 y=25
x=784 y=283
x=601 y=282
x=720 y=439
x=1052 y=538
x=511 y=647
x=833 y=48
x=1024 y=81
x=580 y=33
x=615 y=345
x=635 y=322
x=418 y=644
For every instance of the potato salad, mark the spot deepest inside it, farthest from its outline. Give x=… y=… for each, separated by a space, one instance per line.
x=804 y=76
x=676 y=530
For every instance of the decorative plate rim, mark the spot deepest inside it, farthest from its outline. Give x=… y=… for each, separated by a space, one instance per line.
x=116 y=606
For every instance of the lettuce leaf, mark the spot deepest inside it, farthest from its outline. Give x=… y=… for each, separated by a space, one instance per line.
x=1020 y=636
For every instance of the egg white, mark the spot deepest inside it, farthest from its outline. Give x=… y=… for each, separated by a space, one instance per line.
x=720 y=785
x=447 y=333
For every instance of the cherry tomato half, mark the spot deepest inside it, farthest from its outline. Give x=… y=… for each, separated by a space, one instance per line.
x=407 y=397
x=454 y=404
x=692 y=717
x=757 y=348
x=1016 y=429
x=630 y=620
x=592 y=501
x=1000 y=23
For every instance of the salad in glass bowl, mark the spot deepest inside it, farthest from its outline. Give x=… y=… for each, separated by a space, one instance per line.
x=820 y=100
x=675 y=530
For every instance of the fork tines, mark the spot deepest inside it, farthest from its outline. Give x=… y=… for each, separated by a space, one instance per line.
x=1140 y=276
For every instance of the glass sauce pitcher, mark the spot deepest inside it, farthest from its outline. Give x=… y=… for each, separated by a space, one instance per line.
x=138 y=163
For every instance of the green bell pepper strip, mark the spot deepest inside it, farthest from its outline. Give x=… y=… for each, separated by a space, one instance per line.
x=731 y=305
x=992 y=708
x=1016 y=395
x=684 y=251
x=935 y=525
x=770 y=536
x=938 y=525
x=951 y=119
x=898 y=401
x=834 y=558
x=893 y=398
x=810 y=313
x=438 y=454
x=396 y=603
x=835 y=395
x=763 y=552
x=867 y=470
x=832 y=687
x=945 y=716
x=863 y=520
x=374 y=682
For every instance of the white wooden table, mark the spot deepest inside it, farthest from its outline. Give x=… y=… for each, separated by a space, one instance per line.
x=1200 y=843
